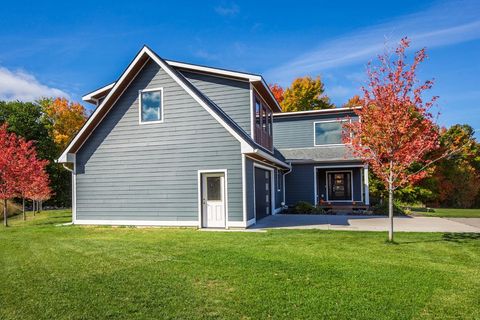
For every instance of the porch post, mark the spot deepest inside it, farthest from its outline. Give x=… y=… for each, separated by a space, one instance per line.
x=365 y=184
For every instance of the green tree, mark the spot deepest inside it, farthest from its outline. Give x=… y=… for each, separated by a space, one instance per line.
x=305 y=94
x=455 y=181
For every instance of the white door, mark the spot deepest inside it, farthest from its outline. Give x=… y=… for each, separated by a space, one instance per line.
x=213 y=200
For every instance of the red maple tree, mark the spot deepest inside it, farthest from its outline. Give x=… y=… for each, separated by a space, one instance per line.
x=22 y=174
x=397 y=130
x=9 y=169
x=277 y=91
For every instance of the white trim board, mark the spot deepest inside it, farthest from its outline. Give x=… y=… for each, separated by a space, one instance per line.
x=312 y=112
x=168 y=223
x=89 y=96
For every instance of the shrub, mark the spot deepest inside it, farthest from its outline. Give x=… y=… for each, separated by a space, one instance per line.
x=304 y=207
x=382 y=209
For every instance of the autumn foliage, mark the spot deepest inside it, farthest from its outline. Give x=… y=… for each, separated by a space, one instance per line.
x=277 y=91
x=303 y=94
x=64 y=118
x=22 y=174
x=397 y=130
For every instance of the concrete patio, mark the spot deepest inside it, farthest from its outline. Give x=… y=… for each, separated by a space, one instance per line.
x=368 y=223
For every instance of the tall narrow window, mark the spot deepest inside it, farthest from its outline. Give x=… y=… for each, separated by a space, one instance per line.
x=257 y=113
x=151 y=106
x=264 y=119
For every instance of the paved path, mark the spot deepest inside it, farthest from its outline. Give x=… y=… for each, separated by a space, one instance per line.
x=368 y=223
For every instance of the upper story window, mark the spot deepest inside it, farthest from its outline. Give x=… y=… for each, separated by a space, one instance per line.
x=328 y=132
x=263 y=124
x=151 y=105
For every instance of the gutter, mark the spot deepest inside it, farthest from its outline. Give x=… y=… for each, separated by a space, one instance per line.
x=272 y=158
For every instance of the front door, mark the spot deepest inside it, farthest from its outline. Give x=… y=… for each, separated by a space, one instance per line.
x=263 y=193
x=339 y=186
x=213 y=200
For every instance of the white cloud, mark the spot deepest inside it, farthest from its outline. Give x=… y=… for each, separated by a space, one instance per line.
x=20 y=85
x=228 y=10
x=441 y=25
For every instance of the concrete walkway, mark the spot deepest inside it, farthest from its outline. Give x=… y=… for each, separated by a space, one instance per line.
x=367 y=223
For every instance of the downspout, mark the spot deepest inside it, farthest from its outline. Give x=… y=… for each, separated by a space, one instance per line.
x=284 y=186
x=74 y=205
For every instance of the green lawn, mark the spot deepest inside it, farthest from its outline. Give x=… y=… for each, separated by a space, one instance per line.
x=72 y=272
x=450 y=213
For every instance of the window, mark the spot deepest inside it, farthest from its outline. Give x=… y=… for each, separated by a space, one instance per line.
x=264 y=119
x=258 y=107
x=328 y=132
x=151 y=105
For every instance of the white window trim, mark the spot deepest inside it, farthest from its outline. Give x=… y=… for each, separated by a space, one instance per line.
x=140 y=105
x=329 y=144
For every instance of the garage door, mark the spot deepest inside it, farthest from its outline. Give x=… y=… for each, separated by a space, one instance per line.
x=262 y=193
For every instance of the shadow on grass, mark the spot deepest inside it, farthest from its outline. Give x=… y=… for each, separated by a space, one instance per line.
x=461 y=237
x=457 y=237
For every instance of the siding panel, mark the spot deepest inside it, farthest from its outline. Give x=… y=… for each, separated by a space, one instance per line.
x=128 y=171
x=232 y=96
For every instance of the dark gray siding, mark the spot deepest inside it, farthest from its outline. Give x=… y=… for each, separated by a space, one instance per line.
x=278 y=187
x=128 y=171
x=296 y=132
x=232 y=96
x=300 y=183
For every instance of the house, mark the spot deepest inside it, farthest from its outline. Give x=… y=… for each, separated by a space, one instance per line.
x=177 y=144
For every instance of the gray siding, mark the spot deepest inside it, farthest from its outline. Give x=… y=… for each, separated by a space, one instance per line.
x=296 y=132
x=128 y=171
x=299 y=184
x=232 y=96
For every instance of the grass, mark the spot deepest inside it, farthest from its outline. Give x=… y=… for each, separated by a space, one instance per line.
x=449 y=213
x=72 y=272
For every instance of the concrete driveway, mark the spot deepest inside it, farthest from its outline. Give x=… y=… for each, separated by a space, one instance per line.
x=367 y=223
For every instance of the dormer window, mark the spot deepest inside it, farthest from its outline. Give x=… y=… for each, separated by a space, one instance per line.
x=151 y=105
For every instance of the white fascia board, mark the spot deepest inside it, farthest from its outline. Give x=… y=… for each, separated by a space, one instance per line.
x=227 y=73
x=271 y=158
x=89 y=97
x=332 y=110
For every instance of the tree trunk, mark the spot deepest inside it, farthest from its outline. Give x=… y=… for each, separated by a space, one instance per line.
x=34 y=203
x=390 y=207
x=40 y=206
x=5 y=222
x=23 y=209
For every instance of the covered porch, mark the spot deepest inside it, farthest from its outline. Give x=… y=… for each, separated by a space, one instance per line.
x=342 y=188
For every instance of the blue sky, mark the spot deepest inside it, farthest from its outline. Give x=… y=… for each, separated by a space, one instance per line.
x=72 y=47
